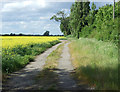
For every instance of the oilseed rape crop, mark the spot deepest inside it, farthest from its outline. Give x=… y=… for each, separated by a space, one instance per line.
x=10 y=42
x=17 y=51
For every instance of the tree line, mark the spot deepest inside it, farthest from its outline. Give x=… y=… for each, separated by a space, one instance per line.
x=46 y=33
x=91 y=23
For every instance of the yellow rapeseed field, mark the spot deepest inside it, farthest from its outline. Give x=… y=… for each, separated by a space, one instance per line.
x=17 y=51
x=10 y=42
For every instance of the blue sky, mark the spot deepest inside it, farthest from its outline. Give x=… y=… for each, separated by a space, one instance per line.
x=33 y=16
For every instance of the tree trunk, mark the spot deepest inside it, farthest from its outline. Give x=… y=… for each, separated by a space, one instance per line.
x=78 y=35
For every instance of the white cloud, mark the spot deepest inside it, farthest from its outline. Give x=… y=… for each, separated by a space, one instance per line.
x=65 y=10
x=44 y=17
x=47 y=27
x=23 y=4
x=22 y=22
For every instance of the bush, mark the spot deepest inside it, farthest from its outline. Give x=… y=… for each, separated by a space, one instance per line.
x=103 y=27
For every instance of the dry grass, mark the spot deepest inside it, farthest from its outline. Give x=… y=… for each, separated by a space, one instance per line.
x=51 y=61
x=47 y=78
x=96 y=62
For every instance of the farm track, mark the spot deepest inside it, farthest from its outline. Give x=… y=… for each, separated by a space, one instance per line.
x=25 y=78
x=65 y=80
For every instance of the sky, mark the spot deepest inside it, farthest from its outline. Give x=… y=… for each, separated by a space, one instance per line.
x=33 y=16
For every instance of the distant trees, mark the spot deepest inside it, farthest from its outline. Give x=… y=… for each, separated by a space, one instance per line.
x=46 y=33
x=12 y=34
x=21 y=34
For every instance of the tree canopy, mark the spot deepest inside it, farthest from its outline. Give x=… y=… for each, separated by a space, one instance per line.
x=46 y=33
x=85 y=22
x=64 y=22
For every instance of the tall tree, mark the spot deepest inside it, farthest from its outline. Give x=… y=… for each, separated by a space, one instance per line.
x=91 y=16
x=79 y=12
x=64 y=22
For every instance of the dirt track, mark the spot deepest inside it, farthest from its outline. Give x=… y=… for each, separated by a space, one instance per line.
x=25 y=78
x=66 y=82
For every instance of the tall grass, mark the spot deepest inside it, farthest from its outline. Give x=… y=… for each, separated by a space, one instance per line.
x=96 y=62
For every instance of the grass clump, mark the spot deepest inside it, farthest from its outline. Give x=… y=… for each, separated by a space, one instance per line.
x=96 y=62
x=51 y=61
x=48 y=77
x=63 y=38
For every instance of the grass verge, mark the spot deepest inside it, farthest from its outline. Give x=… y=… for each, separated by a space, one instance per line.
x=96 y=62
x=47 y=77
x=64 y=38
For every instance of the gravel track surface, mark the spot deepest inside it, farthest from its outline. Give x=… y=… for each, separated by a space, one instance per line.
x=25 y=78
x=66 y=82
